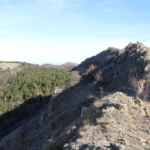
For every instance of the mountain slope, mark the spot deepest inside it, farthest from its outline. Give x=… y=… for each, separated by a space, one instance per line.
x=92 y=114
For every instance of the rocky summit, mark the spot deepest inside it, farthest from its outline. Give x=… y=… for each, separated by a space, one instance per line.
x=107 y=109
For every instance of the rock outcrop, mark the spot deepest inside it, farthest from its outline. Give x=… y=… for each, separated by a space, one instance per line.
x=119 y=70
x=108 y=109
x=120 y=123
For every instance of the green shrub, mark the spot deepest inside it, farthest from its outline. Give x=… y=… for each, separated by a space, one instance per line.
x=31 y=83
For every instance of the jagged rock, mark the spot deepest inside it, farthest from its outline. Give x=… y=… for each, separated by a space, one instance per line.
x=119 y=70
x=123 y=129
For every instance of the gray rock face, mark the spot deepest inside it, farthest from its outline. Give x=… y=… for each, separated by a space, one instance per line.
x=122 y=123
x=92 y=114
x=115 y=69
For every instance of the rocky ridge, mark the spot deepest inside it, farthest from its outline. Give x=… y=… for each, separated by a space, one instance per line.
x=108 y=109
x=121 y=123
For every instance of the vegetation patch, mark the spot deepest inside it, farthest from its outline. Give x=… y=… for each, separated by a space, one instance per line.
x=32 y=82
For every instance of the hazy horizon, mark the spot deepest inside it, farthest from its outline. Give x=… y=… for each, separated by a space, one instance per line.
x=59 y=31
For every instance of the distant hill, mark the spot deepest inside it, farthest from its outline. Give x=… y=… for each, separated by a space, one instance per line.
x=67 y=66
x=22 y=81
x=9 y=69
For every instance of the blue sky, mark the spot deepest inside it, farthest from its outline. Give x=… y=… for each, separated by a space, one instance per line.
x=58 y=31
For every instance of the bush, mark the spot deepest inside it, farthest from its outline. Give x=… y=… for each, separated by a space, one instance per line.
x=31 y=83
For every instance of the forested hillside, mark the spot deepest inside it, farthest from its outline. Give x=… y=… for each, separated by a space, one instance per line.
x=20 y=84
